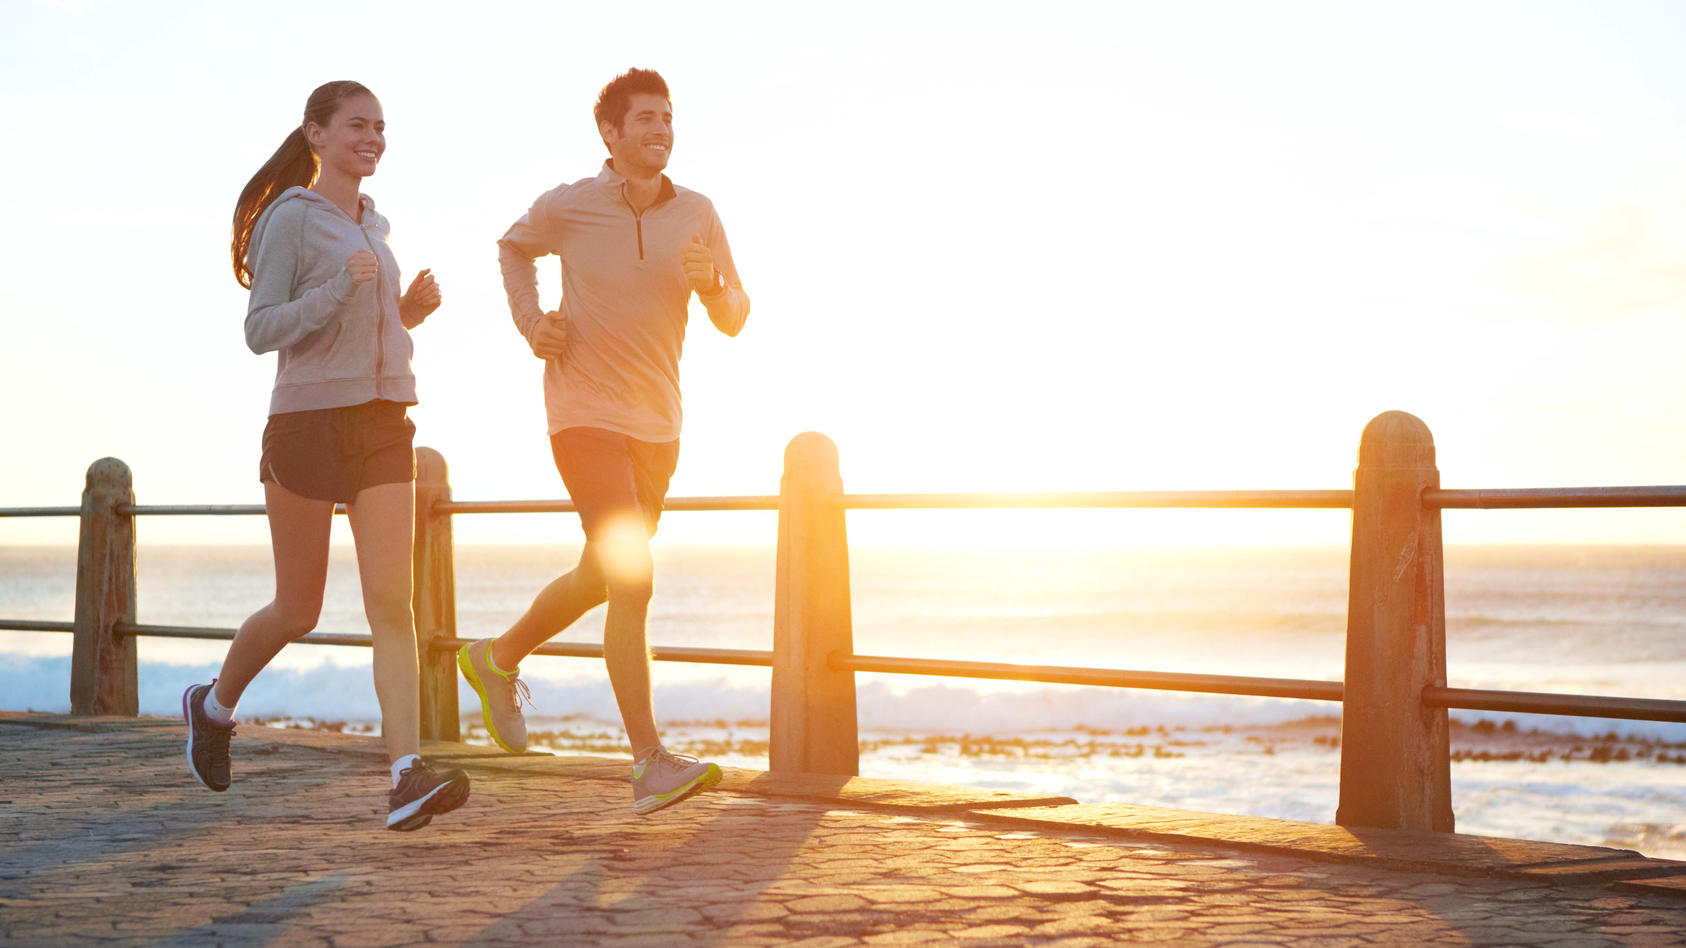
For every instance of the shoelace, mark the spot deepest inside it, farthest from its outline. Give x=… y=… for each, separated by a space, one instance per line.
x=661 y=756
x=216 y=738
x=675 y=761
x=519 y=694
x=414 y=770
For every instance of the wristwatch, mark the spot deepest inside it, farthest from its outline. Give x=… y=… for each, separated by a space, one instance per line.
x=719 y=284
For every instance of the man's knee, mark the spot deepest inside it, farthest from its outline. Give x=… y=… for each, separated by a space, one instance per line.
x=621 y=558
x=631 y=589
x=587 y=582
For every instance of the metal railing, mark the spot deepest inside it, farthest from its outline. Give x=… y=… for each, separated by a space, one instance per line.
x=1395 y=635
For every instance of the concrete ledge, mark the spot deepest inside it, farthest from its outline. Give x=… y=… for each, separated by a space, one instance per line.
x=81 y=722
x=1674 y=885
x=1451 y=853
x=810 y=788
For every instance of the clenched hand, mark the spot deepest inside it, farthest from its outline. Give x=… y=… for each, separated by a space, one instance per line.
x=550 y=336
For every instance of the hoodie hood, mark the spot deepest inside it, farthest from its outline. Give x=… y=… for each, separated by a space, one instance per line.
x=372 y=219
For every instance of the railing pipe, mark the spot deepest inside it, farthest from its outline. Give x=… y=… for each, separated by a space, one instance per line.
x=1395 y=752
x=567 y=506
x=1225 y=499
x=1555 y=497
x=1308 y=689
x=1532 y=702
x=661 y=653
x=35 y=625
x=136 y=630
x=199 y=510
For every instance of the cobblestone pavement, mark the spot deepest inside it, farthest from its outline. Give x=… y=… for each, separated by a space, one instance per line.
x=104 y=838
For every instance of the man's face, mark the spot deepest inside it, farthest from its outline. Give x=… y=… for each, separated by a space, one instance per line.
x=645 y=139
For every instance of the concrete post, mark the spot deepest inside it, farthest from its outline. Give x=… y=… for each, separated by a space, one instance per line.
x=1395 y=763
x=103 y=673
x=434 y=595
x=813 y=729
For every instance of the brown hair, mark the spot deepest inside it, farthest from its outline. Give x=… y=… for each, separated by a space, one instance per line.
x=292 y=165
x=616 y=97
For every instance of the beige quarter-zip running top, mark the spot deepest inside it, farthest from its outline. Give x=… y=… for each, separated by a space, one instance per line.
x=625 y=298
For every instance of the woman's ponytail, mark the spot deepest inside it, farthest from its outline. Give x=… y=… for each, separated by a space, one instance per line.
x=293 y=165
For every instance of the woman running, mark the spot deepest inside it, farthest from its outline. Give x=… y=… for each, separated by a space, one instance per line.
x=325 y=295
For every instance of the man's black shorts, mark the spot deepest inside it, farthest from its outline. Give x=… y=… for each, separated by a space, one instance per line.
x=332 y=453
x=608 y=474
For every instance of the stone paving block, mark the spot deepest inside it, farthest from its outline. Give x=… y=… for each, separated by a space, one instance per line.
x=883 y=894
x=1053 y=887
x=1075 y=925
x=988 y=931
x=980 y=892
x=825 y=903
x=905 y=938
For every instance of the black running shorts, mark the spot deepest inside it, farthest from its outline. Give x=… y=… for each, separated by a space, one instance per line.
x=609 y=474
x=332 y=453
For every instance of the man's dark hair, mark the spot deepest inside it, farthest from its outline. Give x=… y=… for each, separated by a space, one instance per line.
x=616 y=97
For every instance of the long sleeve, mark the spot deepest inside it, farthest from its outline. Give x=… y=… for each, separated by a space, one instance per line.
x=523 y=243
x=274 y=320
x=729 y=309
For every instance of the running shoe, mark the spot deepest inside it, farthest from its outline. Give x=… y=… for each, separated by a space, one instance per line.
x=661 y=779
x=207 y=740
x=423 y=793
x=500 y=695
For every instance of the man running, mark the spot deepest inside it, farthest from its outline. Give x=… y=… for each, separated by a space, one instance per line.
x=633 y=249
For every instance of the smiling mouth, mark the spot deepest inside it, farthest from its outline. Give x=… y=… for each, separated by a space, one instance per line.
x=369 y=155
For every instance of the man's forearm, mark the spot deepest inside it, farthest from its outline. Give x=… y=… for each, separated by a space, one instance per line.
x=728 y=310
x=521 y=285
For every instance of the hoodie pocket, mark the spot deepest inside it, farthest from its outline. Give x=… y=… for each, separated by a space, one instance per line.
x=342 y=349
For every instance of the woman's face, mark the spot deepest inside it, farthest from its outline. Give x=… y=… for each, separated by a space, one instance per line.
x=352 y=142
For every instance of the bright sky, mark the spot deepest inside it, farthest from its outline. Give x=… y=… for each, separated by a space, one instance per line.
x=1007 y=246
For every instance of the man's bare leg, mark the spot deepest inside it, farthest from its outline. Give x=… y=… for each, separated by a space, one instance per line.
x=556 y=607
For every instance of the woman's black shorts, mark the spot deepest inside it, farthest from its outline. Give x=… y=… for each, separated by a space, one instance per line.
x=332 y=453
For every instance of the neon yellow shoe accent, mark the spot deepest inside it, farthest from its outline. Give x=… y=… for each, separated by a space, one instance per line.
x=682 y=776
x=512 y=735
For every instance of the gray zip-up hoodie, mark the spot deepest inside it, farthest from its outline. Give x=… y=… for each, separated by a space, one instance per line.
x=340 y=343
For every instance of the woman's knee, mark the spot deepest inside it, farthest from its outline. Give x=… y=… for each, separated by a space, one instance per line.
x=295 y=618
x=388 y=611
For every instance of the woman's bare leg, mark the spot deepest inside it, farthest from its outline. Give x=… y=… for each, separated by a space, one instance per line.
x=383 y=523
x=298 y=534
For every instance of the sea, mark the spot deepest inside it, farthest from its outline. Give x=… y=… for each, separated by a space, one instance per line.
x=1595 y=620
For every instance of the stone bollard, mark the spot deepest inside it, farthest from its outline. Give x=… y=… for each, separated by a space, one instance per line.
x=434 y=597
x=1395 y=762
x=813 y=725
x=103 y=673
